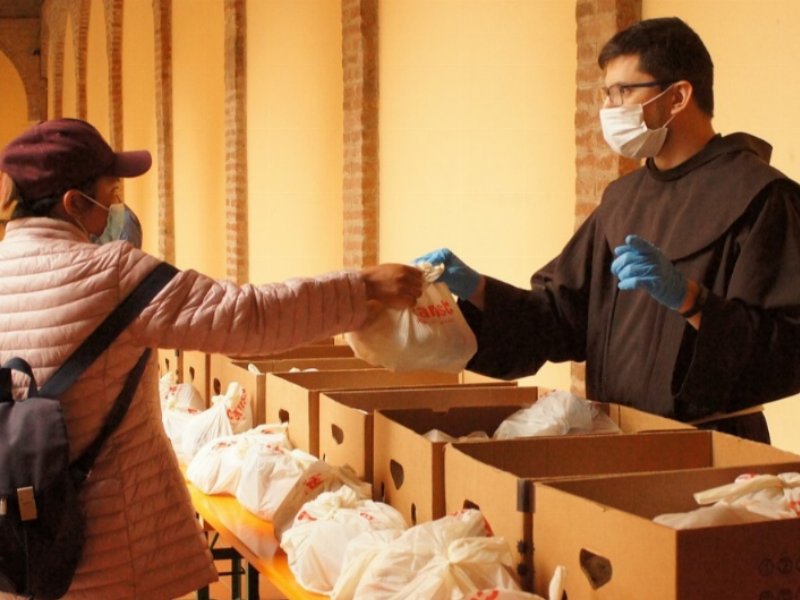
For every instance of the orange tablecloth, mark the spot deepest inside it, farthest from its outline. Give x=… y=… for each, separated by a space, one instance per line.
x=251 y=537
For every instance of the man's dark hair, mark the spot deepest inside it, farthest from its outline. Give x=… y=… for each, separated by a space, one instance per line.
x=669 y=50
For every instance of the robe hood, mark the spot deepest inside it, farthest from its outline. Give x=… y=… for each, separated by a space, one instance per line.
x=693 y=224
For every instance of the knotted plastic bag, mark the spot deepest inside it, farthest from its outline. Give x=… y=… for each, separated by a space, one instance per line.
x=452 y=557
x=431 y=336
x=317 y=541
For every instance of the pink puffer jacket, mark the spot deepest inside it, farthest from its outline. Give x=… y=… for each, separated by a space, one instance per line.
x=143 y=540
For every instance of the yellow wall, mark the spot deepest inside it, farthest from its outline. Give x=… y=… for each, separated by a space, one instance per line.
x=198 y=115
x=14 y=114
x=139 y=113
x=477 y=134
x=757 y=84
x=294 y=114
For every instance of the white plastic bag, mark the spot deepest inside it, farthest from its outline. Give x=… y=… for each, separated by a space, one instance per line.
x=165 y=384
x=238 y=406
x=437 y=435
x=360 y=552
x=317 y=478
x=433 y=335
x=556 y=413
x=216 y=468
x=268 y=473
x=749 y=499
x=203 y=427
x=316 y=543
x=451 y=557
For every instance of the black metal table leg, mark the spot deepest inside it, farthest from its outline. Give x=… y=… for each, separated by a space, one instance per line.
x=252 y=583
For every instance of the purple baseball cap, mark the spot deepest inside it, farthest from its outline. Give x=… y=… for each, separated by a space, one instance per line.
x=55 y=156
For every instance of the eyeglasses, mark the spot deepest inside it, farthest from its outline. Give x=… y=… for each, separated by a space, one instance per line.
x=616 y=94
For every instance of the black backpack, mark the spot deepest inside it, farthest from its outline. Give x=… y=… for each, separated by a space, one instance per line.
x=41 y=519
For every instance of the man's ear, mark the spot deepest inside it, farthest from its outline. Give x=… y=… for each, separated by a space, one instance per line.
x=682 y=92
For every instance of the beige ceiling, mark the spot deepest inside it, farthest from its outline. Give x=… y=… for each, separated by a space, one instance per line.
x=16 y=9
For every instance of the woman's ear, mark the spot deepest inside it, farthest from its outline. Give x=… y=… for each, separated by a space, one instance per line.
x=73 y=203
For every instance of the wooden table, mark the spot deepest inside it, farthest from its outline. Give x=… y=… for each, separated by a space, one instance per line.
x=253 y=539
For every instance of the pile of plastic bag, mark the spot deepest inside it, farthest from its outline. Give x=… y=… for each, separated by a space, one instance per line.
x=267 y=476
x=750 y=498
x=379 y=558
x=190 y=428
x=556 y=413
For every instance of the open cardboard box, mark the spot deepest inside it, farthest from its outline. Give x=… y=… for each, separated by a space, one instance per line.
x=254 y=382
x=195 y=369
x=169 y=360
x=408 y=469
x=498 y=477
x=346 y=417
x=221 y=366
x=602 y=531
x=294 y=397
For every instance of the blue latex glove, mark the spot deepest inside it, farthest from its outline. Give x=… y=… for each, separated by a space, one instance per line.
x=640 y=265
x=459 y=278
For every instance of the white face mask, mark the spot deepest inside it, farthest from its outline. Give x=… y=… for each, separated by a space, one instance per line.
x=114 y=224
x=626 y=132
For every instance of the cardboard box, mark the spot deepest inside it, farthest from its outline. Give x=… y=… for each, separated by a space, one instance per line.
x=346 y=417
x=169 y=360
x=408 y=469
x=294 y=397
x=220 y=365
x=498 y=477
x=196 y=371
x=602 y=531
x=403 y=445
x=254 y=383
x=221 y=370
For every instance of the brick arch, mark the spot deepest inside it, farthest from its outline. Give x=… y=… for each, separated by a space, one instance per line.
x=20 y=42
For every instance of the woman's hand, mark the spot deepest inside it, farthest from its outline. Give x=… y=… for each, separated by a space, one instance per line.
x=393 y=285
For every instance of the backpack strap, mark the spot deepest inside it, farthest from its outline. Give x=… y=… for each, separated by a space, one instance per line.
x=6 y=387
x=81 y=467
x=93 y=347
x=109 y=329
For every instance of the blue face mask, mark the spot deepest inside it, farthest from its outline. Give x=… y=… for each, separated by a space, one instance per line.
x=122 y=224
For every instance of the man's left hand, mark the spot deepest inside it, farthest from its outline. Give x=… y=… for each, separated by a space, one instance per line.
x=641 y=265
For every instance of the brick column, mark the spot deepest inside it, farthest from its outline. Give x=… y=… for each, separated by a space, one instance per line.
x=361 y=167
x=55 y=15
x=79 y=18
x=114 y=16
x=162 y=20
x=596 y=165
x=236 y=239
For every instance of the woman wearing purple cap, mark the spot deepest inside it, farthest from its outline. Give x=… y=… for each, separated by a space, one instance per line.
x=142 y=538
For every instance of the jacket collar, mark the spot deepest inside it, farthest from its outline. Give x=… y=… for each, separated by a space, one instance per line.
x=29 y=228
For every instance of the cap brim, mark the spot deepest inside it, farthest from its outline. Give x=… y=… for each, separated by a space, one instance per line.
x=131 y=164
